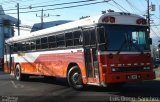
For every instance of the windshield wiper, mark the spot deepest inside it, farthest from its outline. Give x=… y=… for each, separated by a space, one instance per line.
x=119 y=50
x=137 y=47
x=122 y=45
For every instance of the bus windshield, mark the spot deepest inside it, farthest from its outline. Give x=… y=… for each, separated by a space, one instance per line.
x=126 y=38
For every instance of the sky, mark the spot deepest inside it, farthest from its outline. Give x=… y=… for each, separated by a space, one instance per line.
x=133 y=6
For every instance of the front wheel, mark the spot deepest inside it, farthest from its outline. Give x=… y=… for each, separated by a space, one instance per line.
x=74 y=78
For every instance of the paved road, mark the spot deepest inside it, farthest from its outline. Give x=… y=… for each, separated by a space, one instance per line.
x=40 y=90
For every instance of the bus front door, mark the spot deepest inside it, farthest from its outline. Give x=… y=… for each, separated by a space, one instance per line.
x=8 y=59
x=92 y=68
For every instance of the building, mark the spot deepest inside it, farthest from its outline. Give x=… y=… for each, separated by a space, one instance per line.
x=6 y=30
x=38 y=26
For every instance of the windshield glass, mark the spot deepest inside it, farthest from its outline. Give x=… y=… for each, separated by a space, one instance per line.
x=126 y=38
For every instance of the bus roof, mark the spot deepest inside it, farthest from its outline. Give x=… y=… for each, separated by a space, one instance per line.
x=120 y=18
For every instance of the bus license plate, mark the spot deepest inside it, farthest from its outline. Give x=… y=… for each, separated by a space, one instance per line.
x=133 y=77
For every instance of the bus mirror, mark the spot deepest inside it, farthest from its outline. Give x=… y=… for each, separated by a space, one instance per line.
x=150 y=41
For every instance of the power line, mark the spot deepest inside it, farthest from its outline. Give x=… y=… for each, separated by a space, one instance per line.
x=116 y=7
x=134 y=7
x=155 y=33
x=42 y=2
x=61 y=7
x=64 y=3
x=156 y=27
x=120 y=6
x=30 y=4
x=131 y=6
x=10 y=2
x=21 y=26
x=59 y=4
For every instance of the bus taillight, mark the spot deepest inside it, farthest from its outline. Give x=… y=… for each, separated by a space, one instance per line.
x=109 y=19
x=141 y=21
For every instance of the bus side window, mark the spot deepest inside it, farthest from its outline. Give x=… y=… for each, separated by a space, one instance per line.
x=86 y=37
x=93 y=37
x=69 y=39
x=38 y=43
x=77 y=38
x=18 y=47
x=52 y=41
x=28 y=45
x=33 y=45
x=101 y=35
x=23 y=46
x=15 y=49
x=60 y=40
x=101 y=39
x=44 y=43
x=12 y=48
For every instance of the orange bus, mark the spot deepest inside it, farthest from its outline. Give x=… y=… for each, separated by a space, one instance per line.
x=109 y=49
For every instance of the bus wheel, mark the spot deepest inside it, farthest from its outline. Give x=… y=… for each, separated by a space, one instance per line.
x=18 y=75
x=74 y=78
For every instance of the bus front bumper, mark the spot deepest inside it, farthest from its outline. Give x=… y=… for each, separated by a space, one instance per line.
x=128 y=77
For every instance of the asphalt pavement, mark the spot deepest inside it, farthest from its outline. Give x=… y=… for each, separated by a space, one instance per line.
x=37 y=89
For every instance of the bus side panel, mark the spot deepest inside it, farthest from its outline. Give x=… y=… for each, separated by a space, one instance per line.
x=57 y=64
x=52 y=63
x=29 y=68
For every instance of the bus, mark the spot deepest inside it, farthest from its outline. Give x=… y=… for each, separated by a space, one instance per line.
x=109 y=49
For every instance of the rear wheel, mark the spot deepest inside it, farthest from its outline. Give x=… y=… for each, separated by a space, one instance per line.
x=74 y=78
x=18 y=75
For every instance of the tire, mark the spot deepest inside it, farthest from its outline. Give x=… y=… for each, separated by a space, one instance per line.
x=74 y=78
x=18 y=75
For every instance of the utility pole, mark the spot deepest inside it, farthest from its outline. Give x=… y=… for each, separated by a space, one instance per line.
x=42 y=19
x=44 y=15
x=18 y=18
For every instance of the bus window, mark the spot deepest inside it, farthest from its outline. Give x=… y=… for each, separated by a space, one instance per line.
x=138 y=37
x=86 y=37
x=22 y=46
x=15 y=49
x=77 y=38
x=28 y=45
x=33 y=45
x=69 y=36
x=60 y=40
x=101 y=35
x=69 y=39
x=44 y=43
x=38 y=44
x=52 y=41
x=93 y=37
x=19 y=46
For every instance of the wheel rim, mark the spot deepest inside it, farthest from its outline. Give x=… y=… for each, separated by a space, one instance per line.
x=17 y=73
x=76 y=79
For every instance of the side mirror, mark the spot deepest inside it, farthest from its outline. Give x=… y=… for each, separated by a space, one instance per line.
x=150 y=41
